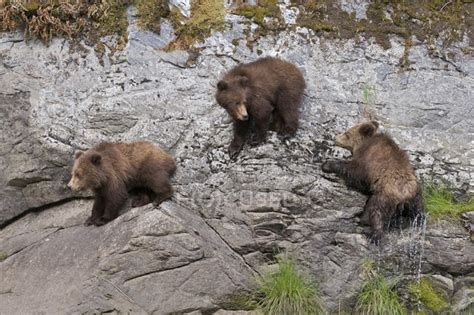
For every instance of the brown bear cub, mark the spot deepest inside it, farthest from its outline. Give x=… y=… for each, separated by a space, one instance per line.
x=261 y=95
x=111 y=170
x=381 y=170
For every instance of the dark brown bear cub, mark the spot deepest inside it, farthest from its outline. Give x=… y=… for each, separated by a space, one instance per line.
x=381 y=170
x=256 y=95
x=111 y=170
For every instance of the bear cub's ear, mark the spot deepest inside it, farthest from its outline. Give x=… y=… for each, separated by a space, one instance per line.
x=77 y=154
x=96 y=158
x=368 y=129
x=222 y=85
x=375 y=123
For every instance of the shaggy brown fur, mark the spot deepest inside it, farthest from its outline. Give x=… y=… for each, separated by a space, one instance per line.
x=111 y=170
x=381 y=170
x=264 y=93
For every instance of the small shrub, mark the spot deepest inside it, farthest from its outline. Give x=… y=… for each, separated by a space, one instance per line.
x=286 y=291
x=440 y=202
x=377 y=295
x=368 y=100
x=426 y=294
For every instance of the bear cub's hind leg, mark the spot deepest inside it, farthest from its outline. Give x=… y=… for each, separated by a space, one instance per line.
x=159 y=183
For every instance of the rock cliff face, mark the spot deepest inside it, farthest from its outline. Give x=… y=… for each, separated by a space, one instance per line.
x=227 y=218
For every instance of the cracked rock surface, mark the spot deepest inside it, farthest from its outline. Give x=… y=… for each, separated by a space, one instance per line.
x=227 y=218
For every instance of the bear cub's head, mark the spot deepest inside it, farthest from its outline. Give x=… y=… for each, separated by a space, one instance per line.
x=232 y=96
x=87 y=172
x=355 y=136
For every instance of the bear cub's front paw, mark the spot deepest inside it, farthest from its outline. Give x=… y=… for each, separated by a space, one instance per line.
x=376 y=237
x=234 y=151
x=329 y=166
x=89 y=221
x=256 y=140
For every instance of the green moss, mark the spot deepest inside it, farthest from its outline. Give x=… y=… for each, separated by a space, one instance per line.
x=3 y=255
x=377 y=294
x=257 y=13
x=425 y=293
x=206 y=16
x=440 y=202
x=150 y=12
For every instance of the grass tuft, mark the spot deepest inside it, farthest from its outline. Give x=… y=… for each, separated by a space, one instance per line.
x=377 y=295
x=287 y=291
x=426 y=294
x=440 y=202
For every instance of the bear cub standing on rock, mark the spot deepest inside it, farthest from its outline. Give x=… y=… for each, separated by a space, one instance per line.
x=262 y=94
x=111 y=170
x=381 y=170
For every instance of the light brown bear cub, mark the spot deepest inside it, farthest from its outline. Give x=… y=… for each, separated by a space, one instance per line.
x=381 y=170
x=261 y=95
x=111 y=170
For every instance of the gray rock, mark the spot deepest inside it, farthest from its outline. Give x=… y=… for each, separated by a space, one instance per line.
x=463 y=299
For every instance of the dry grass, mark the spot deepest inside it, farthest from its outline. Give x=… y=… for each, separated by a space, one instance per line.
x=45 y=19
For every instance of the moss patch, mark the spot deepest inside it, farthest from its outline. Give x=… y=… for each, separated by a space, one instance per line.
x=427 y=19
x=206 y=16
x=150 y=13
x=425 y=293
x=3 y=255
x=258 y=13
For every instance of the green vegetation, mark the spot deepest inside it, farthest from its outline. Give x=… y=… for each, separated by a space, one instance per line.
x=368 y=100
x=206 y=16
x=426 y=294
x=440 y=202
x=286 y=291
x=3 y=255
x=150 y=12
x=257 y=13
x=377 y=295
x=367 y=93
